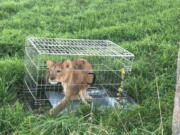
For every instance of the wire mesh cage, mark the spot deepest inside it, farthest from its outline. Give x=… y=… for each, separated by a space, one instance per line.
x=106 y=58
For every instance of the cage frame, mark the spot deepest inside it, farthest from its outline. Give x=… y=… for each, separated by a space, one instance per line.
x=114 y=49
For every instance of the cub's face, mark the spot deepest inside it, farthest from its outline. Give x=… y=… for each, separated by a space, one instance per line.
x=57 y=72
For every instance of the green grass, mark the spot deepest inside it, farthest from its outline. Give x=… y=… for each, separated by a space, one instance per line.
x=147 y=28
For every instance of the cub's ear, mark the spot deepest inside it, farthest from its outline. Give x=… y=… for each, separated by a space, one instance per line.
x=50 y=63
x=67 y=64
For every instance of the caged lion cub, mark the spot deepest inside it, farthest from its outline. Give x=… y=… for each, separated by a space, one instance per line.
x=76 y=76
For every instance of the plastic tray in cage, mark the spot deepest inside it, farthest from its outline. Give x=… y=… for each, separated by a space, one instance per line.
x=99 y=98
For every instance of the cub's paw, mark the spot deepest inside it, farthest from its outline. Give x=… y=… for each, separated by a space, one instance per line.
x=51 y=112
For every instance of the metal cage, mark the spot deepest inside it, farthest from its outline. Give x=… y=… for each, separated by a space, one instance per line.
x=106 y=57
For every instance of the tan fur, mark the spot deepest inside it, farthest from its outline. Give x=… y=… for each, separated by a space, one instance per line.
x=74 y=77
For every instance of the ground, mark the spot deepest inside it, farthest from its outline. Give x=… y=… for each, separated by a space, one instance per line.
x=147 y=28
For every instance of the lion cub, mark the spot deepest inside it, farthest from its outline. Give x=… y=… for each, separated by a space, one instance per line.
x=75 y=77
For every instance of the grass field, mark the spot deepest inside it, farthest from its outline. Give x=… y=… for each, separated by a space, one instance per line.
x=148 y=28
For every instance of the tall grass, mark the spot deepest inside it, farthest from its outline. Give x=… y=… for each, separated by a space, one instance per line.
x=149 y=29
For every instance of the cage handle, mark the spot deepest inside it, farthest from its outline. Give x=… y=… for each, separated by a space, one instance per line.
x=94 y=79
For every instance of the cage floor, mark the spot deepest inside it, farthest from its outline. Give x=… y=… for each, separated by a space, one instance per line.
x=100 y=98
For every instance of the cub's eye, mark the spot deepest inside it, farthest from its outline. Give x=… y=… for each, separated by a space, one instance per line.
x=58 y=71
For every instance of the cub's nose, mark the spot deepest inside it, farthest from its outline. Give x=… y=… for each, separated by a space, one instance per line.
x=52 y=78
